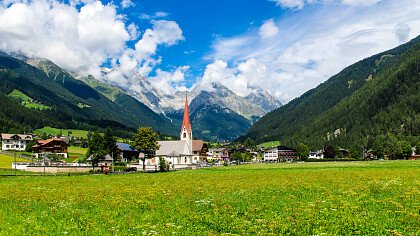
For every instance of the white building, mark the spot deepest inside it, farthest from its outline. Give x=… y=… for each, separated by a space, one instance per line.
x=15 y=142
x=280 y=154
x=183 y=152
x=316 y=155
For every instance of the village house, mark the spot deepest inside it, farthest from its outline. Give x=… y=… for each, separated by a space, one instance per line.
x=183 y=152
x=126 y=152
x=49 y=147
x=280 y=154
x=218 y=154
x=15 y=142
x=316 y=155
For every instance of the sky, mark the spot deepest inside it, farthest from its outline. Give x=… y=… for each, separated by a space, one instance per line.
x=285 y=47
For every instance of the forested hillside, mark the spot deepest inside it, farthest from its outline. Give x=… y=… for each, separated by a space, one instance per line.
x=377 y=96
x=72 y=103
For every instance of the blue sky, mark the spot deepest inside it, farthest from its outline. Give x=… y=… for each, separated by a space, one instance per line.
x=285 y=47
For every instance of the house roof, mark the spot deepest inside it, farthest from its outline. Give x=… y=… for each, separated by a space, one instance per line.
x=45 y=142
x=217 y=149
x=284 y=148
x=197 y=145
x=26 y=137
x=126 y=147
x=167 y=147
x=186 y=120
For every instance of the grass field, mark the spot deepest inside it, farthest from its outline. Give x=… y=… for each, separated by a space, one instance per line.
x=358 y=198
x=55 y=131
x=76 y=151
x=6 y=161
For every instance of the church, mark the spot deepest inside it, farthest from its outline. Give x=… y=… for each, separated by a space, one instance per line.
x=183 y=152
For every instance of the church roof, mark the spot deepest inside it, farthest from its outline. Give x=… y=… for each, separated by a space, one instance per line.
x=167 y=147
x=186 y=120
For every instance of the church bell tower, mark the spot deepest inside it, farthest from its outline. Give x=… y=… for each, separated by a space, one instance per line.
x=186 y=131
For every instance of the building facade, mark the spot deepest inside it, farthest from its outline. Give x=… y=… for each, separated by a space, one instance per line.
x=54 y=146
x=280 y=154
x=15 y=142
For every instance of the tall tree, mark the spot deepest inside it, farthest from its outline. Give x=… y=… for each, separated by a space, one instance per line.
x=249 y=143
x=329 y=151
x=110 y=143
x=303 y=151
x=146 y=141
x=96 y=148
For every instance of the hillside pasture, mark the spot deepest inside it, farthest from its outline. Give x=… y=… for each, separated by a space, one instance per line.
x=54 y=131
x=358 y=198
x=270 y=144
x=26 y=101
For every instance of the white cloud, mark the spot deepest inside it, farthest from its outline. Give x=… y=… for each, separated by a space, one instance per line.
x=361 y=2
x=402 y=31
x=164 y=32
x=299 y=4
x=76 y=40
x=168 y=82
x=268 y=29
x=294 y=4
x=313 y=45
x=154 y=16
x=85 y=34
x=126 y=3
x=141 y=60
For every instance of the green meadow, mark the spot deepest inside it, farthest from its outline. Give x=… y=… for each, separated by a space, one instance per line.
x=357 y=198
x=6 y=161
x=27 y=101
x=64 y=132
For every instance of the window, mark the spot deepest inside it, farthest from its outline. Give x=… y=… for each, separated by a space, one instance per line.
x=7 y=146
x=185 y=135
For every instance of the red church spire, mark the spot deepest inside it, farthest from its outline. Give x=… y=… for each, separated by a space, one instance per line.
x=186 y=121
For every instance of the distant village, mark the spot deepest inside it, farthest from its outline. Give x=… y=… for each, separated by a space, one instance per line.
x=47 y=155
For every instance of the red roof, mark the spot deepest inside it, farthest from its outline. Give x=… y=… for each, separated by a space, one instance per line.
x=186 y=121
x=44 y=142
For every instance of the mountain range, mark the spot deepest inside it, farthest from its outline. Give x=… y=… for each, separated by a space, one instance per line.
x=379 y=95
x=217 y=113
x=84 y=102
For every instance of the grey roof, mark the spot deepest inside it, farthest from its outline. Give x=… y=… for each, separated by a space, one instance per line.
x=167 y=148
x=125 y=147
x=107 y=158
x=21 y=136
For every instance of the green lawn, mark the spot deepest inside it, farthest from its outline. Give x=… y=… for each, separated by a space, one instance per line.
x=269 y=144
x=55 y=131
x=76 y=151
x=6 y=161
x=357 y=198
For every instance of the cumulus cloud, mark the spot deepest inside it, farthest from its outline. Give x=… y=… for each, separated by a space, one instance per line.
x=77 y=40
x=268 y=29
x=168 y=82
x=141 y=60
x=83 y=35
x=126 y=3
x=164 y=32
x=311 y=46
